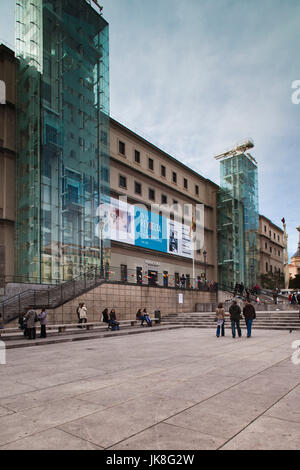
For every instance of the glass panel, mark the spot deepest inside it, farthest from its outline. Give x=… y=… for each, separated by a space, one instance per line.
x=63 y=124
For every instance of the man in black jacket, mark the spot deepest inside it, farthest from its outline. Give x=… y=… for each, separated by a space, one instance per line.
x=250 y=315
x=235 y=316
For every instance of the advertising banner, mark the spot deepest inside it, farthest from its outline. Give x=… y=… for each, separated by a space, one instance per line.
x=135 y=225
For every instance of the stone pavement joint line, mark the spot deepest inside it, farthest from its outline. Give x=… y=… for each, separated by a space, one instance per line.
x=182 y=389
x=220 y=448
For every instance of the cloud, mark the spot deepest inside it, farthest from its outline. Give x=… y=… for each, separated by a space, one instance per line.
x=197 y=77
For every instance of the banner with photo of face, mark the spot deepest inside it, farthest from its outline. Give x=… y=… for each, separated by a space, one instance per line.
x=135 y=225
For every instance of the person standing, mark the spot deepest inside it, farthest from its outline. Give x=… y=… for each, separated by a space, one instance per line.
x=77 y=312
x=235 y=317
x=220 y=315
x=250 y=315
x=82 y=314
x=105 y=316
x=31 y=318
x=43 y=320
x=247 y=293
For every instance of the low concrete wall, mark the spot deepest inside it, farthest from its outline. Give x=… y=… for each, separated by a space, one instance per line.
x=126 y=300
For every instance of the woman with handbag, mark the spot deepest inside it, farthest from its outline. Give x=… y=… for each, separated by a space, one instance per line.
x=220 y=319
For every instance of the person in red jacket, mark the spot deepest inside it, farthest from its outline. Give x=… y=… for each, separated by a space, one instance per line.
x=250 y=315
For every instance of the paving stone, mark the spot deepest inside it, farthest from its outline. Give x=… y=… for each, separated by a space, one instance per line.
x=267 y=433
x=288 y=408
x=183 y=385
x=120 y=422
x=52 y=439
x=169 y=437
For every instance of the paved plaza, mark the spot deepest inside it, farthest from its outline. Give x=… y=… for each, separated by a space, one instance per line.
x=173 y=390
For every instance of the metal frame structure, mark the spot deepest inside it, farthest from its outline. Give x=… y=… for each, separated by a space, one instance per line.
x=238 y=218
x=63 y=161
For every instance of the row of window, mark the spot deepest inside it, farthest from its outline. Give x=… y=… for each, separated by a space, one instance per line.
x=163 y=170
x=151 y=193
x=271 y=249
x=270 y=234
x=271 y=269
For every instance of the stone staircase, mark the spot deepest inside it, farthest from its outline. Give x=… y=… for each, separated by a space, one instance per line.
x=275 y=320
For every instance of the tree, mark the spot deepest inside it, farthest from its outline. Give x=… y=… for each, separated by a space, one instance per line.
x=295 y=282
x=272 y=280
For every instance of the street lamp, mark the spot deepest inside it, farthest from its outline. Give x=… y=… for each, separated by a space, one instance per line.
x=101 y=226
x=205 y=254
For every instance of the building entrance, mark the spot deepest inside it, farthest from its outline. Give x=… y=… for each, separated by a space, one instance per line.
x=152 y=278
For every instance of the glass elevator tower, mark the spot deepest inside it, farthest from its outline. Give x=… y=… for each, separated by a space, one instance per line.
x=238 y=221
x=63 y=169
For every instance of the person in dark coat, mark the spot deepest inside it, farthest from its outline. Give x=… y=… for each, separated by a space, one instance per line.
x=235 y=316
x=250 y=315
x=105 y=316
x=247 y=294
x=140 y=316
x=113 y=320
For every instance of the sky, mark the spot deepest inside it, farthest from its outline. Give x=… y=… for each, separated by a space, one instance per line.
x=197 y=77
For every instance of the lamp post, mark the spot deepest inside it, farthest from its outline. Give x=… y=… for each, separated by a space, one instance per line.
x=101 y=226
x=205 y=254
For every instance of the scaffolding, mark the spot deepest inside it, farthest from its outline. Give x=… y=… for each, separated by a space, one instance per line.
x=63 y=170
x=238 y=220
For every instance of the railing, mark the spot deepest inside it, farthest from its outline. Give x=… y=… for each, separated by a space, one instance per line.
x=52 y=297
x=156 y=279
x=265 y=295
x=55 y=296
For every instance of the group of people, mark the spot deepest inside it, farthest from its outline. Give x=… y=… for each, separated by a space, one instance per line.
x=294 y=299
x=235 y=314
x=107 y=317
x=110 y=319
x=28 y=323
x=240 y=289
x=143 y=316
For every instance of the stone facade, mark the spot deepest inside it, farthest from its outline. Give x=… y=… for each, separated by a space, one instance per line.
x=126 y=300
x=294 y=266
x=271 y=245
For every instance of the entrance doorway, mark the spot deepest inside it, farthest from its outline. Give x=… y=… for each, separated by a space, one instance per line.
x=139 y=276
x=152 y=278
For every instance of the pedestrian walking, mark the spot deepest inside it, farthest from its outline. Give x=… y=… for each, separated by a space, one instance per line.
x=220 y=316
x=298 y=299
x=250 y=315
x=235 y=317
x=31 y=319
x=43 y=321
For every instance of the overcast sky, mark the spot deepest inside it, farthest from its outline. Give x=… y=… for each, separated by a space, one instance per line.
x=196 y=77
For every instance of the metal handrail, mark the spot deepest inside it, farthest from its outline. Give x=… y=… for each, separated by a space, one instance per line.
x=59 y=294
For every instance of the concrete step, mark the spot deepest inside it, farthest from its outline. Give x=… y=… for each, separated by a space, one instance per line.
x=87 y=335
